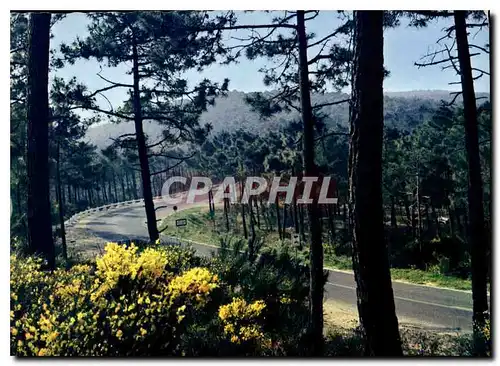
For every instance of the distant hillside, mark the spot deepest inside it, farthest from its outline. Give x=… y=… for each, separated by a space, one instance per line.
x=404 y=110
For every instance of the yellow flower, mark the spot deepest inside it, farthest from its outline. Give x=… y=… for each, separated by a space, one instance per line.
x=240 y=318
x=119 y=334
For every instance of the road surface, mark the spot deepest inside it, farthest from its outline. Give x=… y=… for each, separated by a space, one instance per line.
x=432 y=308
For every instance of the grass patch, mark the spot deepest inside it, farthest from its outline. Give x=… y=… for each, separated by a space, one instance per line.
x=415 y=276
x=338 y=262
x=430 y=278
x=199 y=226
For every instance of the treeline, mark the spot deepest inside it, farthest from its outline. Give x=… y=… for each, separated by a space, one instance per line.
x=424 y=185
x=376 y=170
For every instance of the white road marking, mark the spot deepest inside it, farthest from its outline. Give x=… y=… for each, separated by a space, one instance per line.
x=410 y=300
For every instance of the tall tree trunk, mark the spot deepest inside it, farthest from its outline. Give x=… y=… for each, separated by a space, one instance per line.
x=245 y=231
x=419 y=216
x=283 y=235
x=302 y=224
x=39 y=214
x=370 y=258
x=89 y=195
x=68 y=187
x=251 y=240
x=331 y=222
x=346 y=219
x=130 y=194
x=226 y=213
x=317 y=279
x=428 y=217
x=110 y=191
x=134 y=185
x=104 y=193
x=63 y=193
x=143 y=153
x=435 y=219
x=478 y=242
x=409 y=216
x=265 y=214
x=295 y=215
x=394 y=223
x=257 y=212
x=278 y=221
x=60 y=203
x=115 y=186
x=122 y=183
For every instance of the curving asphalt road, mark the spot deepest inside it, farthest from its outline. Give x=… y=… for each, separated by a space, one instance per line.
x=432 y=308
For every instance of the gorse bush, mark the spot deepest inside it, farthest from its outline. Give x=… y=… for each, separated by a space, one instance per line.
x=156 y=301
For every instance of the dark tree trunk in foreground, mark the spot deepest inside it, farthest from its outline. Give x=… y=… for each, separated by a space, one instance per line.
x=60 y=202
x=143 y=154
x=316 y=247
x=370 y=259
x=39 y=215
x=478 y=242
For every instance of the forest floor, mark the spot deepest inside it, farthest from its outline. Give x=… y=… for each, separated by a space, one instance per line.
x=203 y=229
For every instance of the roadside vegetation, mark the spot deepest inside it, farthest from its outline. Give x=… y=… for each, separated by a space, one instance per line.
x=159 y=300
x=204 y=229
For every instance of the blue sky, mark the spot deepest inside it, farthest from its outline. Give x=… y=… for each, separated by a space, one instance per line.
x=402 y=47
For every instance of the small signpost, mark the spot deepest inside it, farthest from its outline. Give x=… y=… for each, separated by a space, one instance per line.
x=180 y=222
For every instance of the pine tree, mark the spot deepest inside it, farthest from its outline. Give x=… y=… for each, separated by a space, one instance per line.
x=370 y=258
x=160 y=46
x=478 y=241
x=39 y=213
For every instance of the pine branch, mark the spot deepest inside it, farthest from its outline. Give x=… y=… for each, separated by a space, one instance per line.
x=317 y=106
x=480 y=48
x=318 y=57
x=174 y=141
x=109 y=113
x=333 y=34
x=457 y=94
x=440 y=61
x=115 y=84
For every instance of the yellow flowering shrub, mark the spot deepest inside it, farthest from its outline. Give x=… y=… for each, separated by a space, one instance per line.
x=241 y=320
x=129 y=303
x=195 y=284
x=151 y=301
